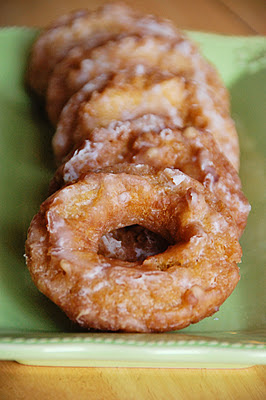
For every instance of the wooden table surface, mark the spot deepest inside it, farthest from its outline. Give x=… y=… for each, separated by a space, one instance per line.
x=237 y=17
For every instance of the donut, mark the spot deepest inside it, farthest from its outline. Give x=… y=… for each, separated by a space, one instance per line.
x=62 y=141
x=104 y=147
x=139 y=91
x=140 y=232
x=82 y=64
x=166 y=291
x=128 y=94
x=92 y=28
x=147 y=141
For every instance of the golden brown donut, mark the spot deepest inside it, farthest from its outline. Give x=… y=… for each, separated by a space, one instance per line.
x=105 y=147
x=81 y=64
x=141 y=233
x=62 y=141
x=135 y=92
x=91 y=27
x=167 y=291
x=127 y=95
x=147 y=141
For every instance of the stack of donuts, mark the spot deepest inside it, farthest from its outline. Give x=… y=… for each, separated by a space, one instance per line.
x=141 y=230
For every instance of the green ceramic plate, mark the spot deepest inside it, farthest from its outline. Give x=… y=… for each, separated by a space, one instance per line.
x=32 y=329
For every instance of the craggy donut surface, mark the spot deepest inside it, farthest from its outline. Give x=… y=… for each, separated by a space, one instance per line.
x=135 y=92
x=140 y=233
x=92 y=28
x=128 y=95
x=167 y=291
x=146 y=141
x=82 y=64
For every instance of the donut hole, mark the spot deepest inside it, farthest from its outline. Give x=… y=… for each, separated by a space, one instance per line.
x=132 y=243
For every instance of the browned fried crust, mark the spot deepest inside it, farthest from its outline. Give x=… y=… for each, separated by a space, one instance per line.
x=182 y=285
x=192 y=151
x=142 y=232
x=82 y=64
x=93 y=27
x=130 y=94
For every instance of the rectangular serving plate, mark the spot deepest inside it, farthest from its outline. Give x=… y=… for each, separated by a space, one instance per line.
x=32 y=329
x=178 y=350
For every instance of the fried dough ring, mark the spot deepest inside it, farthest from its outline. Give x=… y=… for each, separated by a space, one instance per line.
x=143 y=235
x=92 y=28
x=82 y=64
x=132 y=93
x=136 y=94
x=170 y=290
x=145 y=141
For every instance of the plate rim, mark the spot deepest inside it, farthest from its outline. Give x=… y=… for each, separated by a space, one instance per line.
x=48 y=345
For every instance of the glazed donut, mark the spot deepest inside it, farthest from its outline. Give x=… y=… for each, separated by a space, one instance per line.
x=92 y=28
x=105 y=147
x=167 y=291
x=147 y=141
x=81 y=64
x=127 y=95
x=139 y=91
x=140 y=231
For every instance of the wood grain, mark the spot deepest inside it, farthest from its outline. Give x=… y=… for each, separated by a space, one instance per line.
x=253 y=13
x=204 y=15
x=19 y=382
